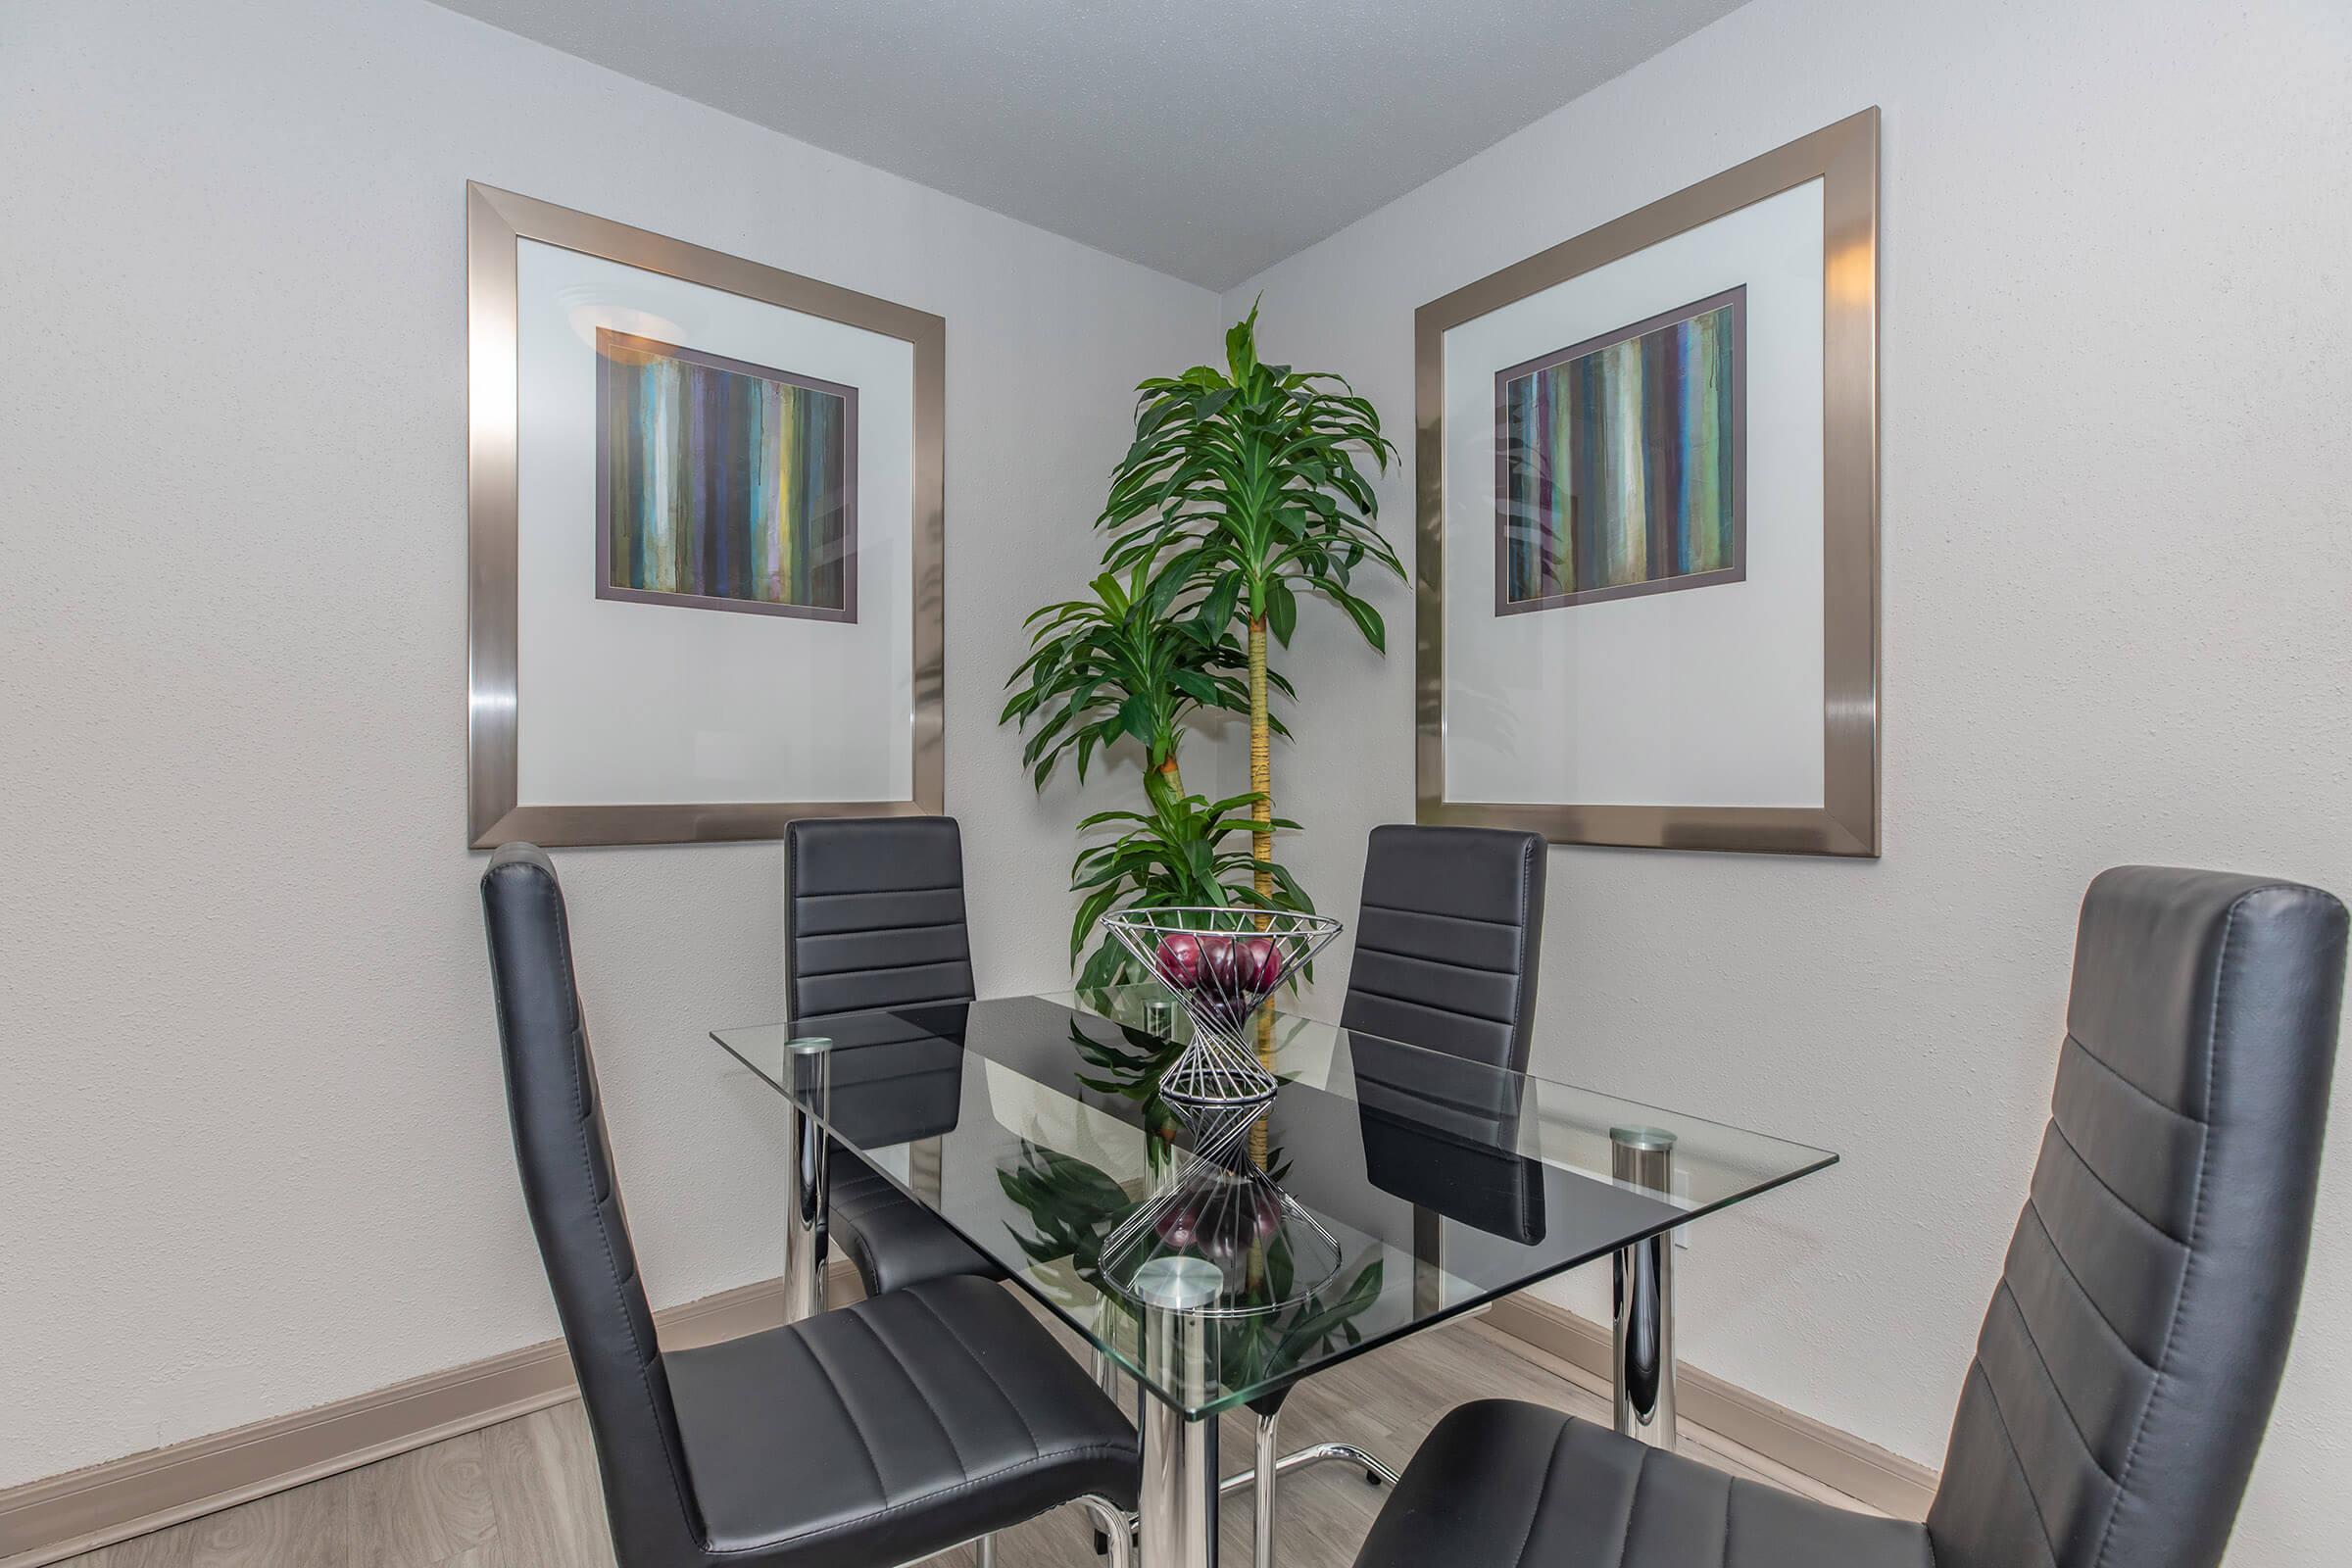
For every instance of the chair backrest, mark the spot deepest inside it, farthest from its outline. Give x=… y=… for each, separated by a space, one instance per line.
x=575 y=1203
x=876 y=906
x=2136 y=1341
x=1448 y=940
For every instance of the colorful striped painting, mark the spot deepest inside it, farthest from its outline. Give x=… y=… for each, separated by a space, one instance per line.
x=723 y=485
x=1620 y=462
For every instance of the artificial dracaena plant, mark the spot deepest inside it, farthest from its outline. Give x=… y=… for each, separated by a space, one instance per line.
x=1245 y=479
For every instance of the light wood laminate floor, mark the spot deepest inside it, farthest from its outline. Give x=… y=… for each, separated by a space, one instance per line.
x=524 y=1494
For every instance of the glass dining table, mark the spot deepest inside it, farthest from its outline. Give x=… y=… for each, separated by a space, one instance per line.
x=1220 y=1254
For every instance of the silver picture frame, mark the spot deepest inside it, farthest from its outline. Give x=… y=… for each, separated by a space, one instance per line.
x=496 y=223
x=1844 y=157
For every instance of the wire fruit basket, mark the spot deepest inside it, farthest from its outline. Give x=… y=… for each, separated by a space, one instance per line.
x=1221 y=965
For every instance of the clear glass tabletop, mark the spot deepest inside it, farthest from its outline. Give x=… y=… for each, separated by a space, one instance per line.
x=1383 y=1189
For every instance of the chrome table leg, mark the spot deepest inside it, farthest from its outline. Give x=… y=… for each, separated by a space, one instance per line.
x=1269 y=1472
x=1179 y=1494
x=1642 y=1339
x=1180 y=1489
x=809 y=1061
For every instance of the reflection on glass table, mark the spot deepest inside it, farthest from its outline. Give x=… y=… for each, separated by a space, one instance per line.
x=1222 y=1256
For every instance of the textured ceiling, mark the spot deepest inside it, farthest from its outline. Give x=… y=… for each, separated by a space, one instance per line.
x=1206 y=139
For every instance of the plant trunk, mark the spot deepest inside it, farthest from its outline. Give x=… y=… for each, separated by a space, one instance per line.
x=1261 y=767
x=1261 y=841
x=1164 y=784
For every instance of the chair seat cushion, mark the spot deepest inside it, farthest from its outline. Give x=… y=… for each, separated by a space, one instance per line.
x=1500 y=1484
x=893 y=1239
x=891 y=1429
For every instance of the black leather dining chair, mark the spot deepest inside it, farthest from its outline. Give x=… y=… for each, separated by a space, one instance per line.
x=877 y=920
x=1446 y=945
x=871 y=1435
x=1447 y=940
x=2135 y=1339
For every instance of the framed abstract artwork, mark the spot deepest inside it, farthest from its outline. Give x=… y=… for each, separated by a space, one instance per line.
x=1619 y=461
x=706 y=503
x=1647 y=486
x=722 y=485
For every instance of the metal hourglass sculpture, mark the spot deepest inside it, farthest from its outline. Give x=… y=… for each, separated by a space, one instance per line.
x=1223 y=1211
x=1221 y=965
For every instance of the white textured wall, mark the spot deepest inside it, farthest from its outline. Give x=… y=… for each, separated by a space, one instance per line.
x=253 y=1144
x=2117 y=627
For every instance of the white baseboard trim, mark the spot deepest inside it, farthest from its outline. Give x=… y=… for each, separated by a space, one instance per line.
x=1862 y=1470
x=45 y=1521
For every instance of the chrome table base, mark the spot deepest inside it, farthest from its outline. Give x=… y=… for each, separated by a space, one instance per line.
x=806 y=1192
x=1178 y=1499
x=1179 y=1495
x=1641 y=1326
x=1376 y=1471
x=1269 y=1465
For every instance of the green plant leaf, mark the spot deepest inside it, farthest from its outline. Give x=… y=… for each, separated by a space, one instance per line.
x=1282 y=612
x=1367 y=619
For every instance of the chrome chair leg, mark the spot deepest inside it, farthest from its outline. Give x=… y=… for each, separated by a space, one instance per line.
x=1269 y=1470
x=1114 y=1526
x=984 y=1553
x=1108 y=1378
x=1105 y=1373
x=1377 y=1472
